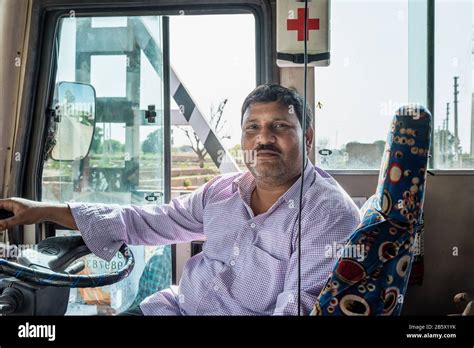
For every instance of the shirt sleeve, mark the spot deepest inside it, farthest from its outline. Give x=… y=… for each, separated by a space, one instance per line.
x=105 y=228
x=318 y=238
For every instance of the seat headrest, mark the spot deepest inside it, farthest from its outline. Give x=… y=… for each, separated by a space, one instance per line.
x=401 y=185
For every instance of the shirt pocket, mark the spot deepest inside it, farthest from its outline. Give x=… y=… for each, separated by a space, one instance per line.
x=259 y=281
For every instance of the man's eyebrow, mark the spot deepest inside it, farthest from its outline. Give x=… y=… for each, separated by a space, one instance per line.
x=278 y=118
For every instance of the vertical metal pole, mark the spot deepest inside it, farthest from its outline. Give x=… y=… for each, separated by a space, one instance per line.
x=167 y=128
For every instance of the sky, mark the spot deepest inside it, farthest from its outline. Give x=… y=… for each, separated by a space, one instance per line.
x=369 y=74
x=368 y=77
x=454 y=39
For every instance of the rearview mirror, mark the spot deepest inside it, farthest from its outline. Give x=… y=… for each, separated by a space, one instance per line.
x=75 y=120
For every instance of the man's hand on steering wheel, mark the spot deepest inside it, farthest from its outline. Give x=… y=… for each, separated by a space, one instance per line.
x=40 y=267
x=28 y=212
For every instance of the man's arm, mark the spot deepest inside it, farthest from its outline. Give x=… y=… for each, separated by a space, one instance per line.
x=317 y=238
x=105 y=228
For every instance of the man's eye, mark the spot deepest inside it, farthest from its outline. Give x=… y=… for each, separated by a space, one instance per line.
x=252 y=126
x=280 y=125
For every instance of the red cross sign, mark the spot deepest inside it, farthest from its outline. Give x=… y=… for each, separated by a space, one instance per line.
x=298 y=24
x=290 y=23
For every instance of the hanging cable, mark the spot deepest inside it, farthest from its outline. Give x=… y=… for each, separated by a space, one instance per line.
x=303 y=164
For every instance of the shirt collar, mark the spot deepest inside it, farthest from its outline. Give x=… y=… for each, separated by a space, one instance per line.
x=245 y=183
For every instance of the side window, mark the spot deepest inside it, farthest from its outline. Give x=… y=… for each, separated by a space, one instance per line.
x=125 y=163
x=211 y=72
x=369 y=77
x=218 y=79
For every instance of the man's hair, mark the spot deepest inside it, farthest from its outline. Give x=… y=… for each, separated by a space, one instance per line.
x=285 y=96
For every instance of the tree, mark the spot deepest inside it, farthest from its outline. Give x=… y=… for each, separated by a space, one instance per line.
x=153 y=142
x=114 y=146
x=216 y=122
x=322 y=142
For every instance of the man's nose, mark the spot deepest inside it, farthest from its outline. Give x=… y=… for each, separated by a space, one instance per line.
x=266 y=136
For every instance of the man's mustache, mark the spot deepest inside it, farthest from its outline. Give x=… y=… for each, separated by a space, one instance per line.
x=268 y=147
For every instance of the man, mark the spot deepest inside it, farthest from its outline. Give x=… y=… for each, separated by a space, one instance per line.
x=249 y=263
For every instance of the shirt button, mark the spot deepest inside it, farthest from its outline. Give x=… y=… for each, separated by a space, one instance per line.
x=252 y=225
x=232 y=263
x=105 y=249
x=236 y=251
x=291 y=204
x=216 y=287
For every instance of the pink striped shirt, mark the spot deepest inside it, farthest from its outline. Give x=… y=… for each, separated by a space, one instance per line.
x=249 y=264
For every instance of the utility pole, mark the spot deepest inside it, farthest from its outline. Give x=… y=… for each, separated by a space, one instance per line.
x=456 y=134
x=441 y=140
x=446 y=134
x=456 y=92
x=447 y=117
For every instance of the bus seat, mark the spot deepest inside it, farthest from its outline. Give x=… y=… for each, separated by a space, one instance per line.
x=375 y=284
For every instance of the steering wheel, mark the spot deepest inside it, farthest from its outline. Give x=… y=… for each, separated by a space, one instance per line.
x=47 y=263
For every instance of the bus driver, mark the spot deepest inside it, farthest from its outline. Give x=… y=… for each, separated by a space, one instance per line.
x=249 y=263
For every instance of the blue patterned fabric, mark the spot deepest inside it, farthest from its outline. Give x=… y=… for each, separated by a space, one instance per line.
x=157 y=274
x=375 y=284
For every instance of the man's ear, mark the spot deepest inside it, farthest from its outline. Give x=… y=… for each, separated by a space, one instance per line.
x=309 y=138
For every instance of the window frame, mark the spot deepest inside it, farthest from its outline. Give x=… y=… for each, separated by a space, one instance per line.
x=431 y=8
x=41 y=77
x=430 y=100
